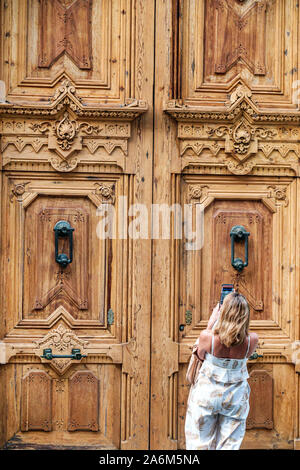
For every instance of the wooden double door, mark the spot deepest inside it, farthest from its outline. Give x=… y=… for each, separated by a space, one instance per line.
x=134 y=136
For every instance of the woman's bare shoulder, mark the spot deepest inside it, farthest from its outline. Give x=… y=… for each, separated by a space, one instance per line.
x=253 y=343
x=204 y=343
x=206 y=334
x=205 y=338
x=253 y=337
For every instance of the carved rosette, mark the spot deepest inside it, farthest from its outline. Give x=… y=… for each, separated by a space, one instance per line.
x=17 y=192
x=296 y=355
x=279 y=194
x=61 y=341
x=106 y=192
x=196 y=193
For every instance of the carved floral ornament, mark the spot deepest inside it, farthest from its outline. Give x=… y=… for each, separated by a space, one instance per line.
x=70 y=126
x=106 y=192
x=239 y=138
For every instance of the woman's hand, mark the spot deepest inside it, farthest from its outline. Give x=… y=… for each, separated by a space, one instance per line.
x=214 y=316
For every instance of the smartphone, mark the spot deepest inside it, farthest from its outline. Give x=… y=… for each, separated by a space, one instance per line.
x=226 y=289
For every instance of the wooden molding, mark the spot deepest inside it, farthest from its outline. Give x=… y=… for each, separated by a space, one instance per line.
x=240 y=137
x=66 y=97
x=74 y=133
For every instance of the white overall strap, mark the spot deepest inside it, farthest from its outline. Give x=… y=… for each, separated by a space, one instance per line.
x=212 y=344
x=248 y=346
x=215 y=325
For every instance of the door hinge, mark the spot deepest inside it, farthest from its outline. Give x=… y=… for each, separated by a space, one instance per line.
x=110 y=316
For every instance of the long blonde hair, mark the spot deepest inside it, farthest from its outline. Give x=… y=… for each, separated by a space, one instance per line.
x=233 y=323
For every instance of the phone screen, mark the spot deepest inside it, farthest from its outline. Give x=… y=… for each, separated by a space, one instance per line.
x=226 y=289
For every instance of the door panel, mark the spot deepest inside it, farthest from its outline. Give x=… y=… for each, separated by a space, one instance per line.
x=66 y=287
x=227 y=139
x=75 y=307
x=264 y=282
x=75 y=137
x=224 y=50
x=83 y=290
x=96 y=54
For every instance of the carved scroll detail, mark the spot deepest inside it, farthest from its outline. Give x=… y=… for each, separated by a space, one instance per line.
x=17 y=191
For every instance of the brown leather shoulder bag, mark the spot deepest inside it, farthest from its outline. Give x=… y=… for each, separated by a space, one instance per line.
x=194 y=365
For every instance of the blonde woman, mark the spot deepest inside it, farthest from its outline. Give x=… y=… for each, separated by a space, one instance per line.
x=218 y=402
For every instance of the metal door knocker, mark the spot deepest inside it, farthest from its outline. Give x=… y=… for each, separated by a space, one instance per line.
x=239 y=234
x=63 y=230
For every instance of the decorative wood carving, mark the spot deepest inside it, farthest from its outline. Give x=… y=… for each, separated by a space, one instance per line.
x=279 y=194
x=104 y=135
x=66 y=97
x=219 y=42
x=93 y=43
x=46 y=290
x=261 y=400
x=233 y=34
x=196 y=193
x=243 y=140
x=65 y=27
x=61 y=341
x=83 y=402
x=253 y=282
x=68 y=286
x=61 y=117
x=106 y=192
x=17 y=191
x=262 y=207
x=36 y=402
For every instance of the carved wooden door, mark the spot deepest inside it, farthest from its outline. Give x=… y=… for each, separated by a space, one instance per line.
x=205 y=115
x=75 y=349
x=227 y=145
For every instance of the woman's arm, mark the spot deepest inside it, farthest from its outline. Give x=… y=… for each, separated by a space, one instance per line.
x=253 y=343
x=204 y=345
x=214 y=317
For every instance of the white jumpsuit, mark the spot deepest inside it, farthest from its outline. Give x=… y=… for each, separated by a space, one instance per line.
x=218 y=404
